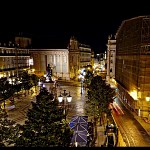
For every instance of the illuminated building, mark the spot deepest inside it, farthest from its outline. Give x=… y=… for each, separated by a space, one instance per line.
x=111 y=58
x=80 y=56
x=13 y=60
x=133 y=63
x=57 y=58
x=65 y=63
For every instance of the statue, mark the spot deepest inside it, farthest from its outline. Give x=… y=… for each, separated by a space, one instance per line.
x=49 y=72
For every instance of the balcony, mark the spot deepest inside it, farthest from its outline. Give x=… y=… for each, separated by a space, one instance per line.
x=9 y=69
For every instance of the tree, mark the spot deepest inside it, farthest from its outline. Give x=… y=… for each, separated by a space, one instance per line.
x=9 y=130
x=45 y=125
x=34 y=80
x=87 y=78
x=26 y=81
x=16 y=86
x=6 y=90
x=100 y=95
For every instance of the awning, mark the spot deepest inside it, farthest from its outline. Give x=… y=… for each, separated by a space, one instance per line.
x=79 y=119
x=79 y=136
x=79 y=126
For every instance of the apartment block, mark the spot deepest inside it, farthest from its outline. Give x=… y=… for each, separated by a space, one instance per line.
x=132 y=71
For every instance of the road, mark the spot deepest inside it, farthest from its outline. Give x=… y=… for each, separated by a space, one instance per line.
x=132 y=132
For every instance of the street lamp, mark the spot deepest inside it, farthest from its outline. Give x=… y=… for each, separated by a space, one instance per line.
x=64 y=98
x=148 y=97
x=81 y=85
x=40 y=84
x=81 y=77
x=148 y=100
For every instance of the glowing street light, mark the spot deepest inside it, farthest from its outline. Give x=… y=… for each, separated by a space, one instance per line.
x=148 y=97
x=64 y=98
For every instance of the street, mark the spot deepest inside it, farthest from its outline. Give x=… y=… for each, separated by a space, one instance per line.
x=132 y=132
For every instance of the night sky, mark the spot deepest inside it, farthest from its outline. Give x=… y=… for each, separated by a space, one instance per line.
x=52 y=24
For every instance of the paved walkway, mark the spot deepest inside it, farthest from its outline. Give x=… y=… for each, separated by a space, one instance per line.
x=21 y=106
x=142 y=121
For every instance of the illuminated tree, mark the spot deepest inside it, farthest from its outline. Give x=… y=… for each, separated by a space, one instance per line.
x=45 y=125
x=26 y=81
x=9 y=130
x=100 y=95
x=34 y=80
x=6 y=90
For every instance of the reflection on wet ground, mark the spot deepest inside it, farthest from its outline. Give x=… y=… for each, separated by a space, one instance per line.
x=77 y=106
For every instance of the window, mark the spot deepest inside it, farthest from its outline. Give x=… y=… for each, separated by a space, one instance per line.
x=65 y=59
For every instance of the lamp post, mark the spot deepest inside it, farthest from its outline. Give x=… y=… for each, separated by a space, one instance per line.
x=148 y=100
x=81 y=85
x=65 y=99
x=148 y=97
x=82 y=80
x=40 y=84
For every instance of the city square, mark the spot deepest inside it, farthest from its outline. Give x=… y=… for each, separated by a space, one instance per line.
x=76 y=83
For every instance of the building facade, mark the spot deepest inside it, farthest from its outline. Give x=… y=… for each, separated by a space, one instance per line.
x=80 y=55
x=133 y=64
x=65 y=63
x=56 y=58
x=103 y=62
x=24 y=42
x=111 y=59
x=13 y=60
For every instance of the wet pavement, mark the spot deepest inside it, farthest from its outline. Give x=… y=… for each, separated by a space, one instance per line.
x=76 y=107
x=22 y=104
